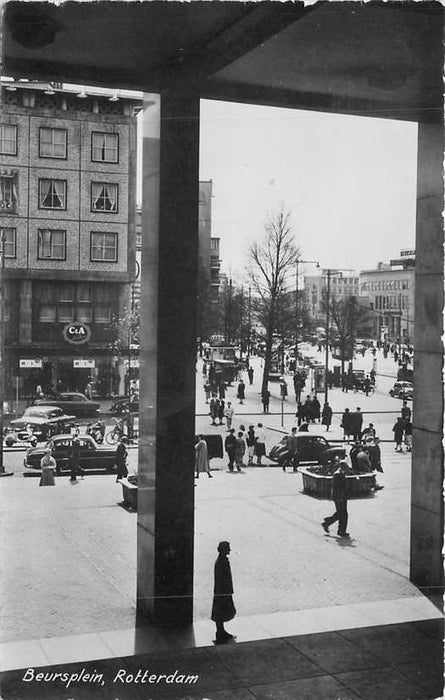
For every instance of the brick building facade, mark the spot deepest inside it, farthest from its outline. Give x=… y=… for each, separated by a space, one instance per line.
x=67 y=221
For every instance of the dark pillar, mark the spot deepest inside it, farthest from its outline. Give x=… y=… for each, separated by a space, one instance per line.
x=167 y=360
x=427 y=472
x=25 y=319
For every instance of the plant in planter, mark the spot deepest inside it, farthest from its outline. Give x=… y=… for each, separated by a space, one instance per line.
x=317 y=481
x=130 y=491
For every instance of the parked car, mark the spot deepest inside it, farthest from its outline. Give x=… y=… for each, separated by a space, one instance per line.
x=311 y=448
x=92 y=455
x=75 y=403
x=120 y=406
x=44 y=422
x=402 y=390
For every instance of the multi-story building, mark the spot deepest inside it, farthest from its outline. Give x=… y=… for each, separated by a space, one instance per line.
x=67 y=221
x=389 y=290
x=315 y=288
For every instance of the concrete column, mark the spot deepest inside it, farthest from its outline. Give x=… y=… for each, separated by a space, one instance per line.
x=427 y=468
x=167 y=360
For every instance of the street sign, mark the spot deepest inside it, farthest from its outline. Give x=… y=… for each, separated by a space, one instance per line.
x=84 y=364
x=30 y=364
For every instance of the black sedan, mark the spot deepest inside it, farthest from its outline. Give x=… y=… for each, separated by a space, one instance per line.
x=72 y=402
x=311 y=448
x=92 y=455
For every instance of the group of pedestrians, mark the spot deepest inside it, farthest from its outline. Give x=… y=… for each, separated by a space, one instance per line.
x=352 y=424
x=251 y=443
x=403 y=429
x=309 y=411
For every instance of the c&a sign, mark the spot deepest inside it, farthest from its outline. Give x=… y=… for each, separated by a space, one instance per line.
x=77 y=333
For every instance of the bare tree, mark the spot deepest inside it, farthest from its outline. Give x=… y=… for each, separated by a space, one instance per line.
x=271 y=260
x=349 y=317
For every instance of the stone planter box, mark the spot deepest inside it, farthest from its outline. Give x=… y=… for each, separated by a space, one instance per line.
x=130 y=494
x=318 y=485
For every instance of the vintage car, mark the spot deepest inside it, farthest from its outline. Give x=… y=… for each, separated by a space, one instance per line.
x=402 y=390
x=43 y=421
x=311 y=448
x=92 y=455
x=73 y=402
x=120 y=406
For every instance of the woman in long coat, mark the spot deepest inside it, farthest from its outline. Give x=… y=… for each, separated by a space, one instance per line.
x=326 y=416
x=201 y=457
x=223 y=608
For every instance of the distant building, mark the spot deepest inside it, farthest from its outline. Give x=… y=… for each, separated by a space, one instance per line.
x=341 y=286
x=389 y=290
x=67 y=218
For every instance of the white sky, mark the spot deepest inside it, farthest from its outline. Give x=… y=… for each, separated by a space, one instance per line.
x=349 y=182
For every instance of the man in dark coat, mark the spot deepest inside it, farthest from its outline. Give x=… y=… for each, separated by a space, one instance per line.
x=74 y=460
x=241 y=392
x=250 y=375
x=346 y=424
x=339 y=495
x=121 y=459
x=223 y=608
x=265 y=398
x=398 y=430
x=357 y=424
x=326 y=416
x=229 y=446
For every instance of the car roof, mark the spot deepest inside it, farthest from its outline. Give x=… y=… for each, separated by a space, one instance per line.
x=72 y=393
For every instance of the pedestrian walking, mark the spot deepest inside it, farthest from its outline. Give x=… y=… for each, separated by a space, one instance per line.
x=240 y=450
x=74 y=460
x=326 y=416
x=357 y=423
x=375 y=458
x=300 y=414
x=241 y=391
x=250 y=375
x=346 y=424
x=47 y=465
x=229 y=413
x=207 y=390
x=339 y=495
x=398 y=430
x=291 y=455
x=260 y=444
x=405 y=411
x=89 y=391
x=229 y=446
x=265 y=398
x=250 y=441
x=283 y=388
x=201 y=457
x=121 y=459
x=223 y=608
x=408 y=435
x=214 y=408
x=316 y=408
x=221 y=411
x=222 y=390
x=39 y=392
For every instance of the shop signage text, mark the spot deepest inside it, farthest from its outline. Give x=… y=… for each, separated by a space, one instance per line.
x=83 y=364
x=30 y=364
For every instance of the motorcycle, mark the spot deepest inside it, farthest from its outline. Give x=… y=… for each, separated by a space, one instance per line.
x=97 y=431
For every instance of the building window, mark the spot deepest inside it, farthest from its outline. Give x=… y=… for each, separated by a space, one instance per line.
x=52 y=194
x=8 y=139
x=102 y=304
x=103 y=247
x=8 y=193
x=104 y=147
x=51 y=244
x=52 y=143
x=8 y=236
x=104 y=197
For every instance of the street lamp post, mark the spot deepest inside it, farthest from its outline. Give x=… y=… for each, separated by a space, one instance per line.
x=249 y=320
x=327 y=338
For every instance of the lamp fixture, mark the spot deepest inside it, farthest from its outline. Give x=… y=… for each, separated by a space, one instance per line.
x=82 y=94
x=11 y=87
x=114 y=97
x=50 y=90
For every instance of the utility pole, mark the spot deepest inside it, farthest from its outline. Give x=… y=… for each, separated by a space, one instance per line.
x=249 y=320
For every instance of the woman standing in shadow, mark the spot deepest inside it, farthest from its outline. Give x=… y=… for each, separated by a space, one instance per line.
x=223 y=608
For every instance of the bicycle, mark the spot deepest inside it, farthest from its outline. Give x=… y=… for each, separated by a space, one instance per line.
x=116 y=433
